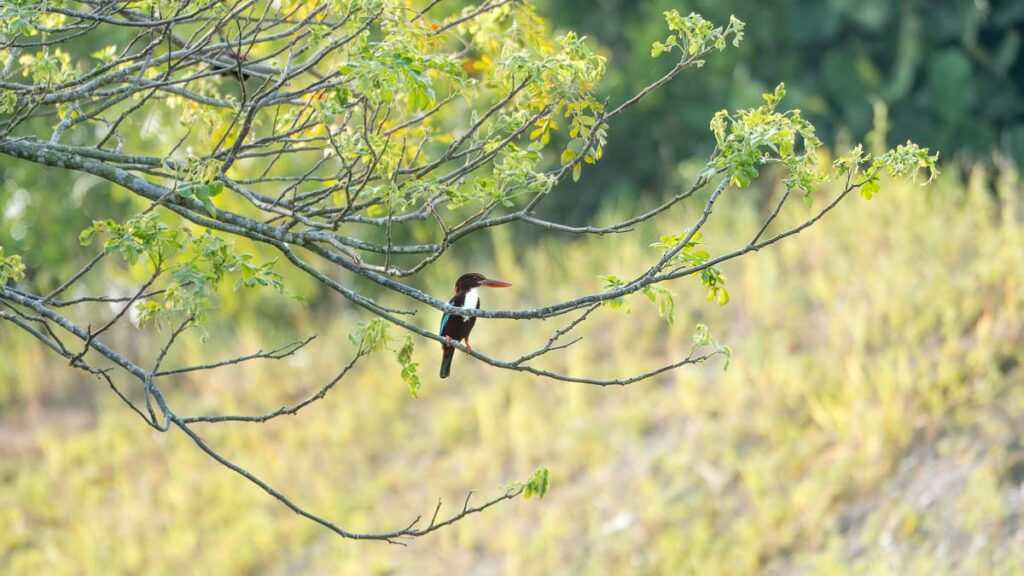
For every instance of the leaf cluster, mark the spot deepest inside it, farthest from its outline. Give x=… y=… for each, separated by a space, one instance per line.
x=702 y=338
x=659 y=295
x=906 y=161
x=11 y=268
x=691 y=255
x=196 y=180
x=198 y=264
x=375 y=336
x=694 y=35
x=536 y=485
x=749 y=140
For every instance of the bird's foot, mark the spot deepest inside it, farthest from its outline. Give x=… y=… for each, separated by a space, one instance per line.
x=448 y=341
x=468 y=347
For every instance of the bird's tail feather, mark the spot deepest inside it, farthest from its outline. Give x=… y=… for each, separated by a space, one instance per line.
x=446 y=361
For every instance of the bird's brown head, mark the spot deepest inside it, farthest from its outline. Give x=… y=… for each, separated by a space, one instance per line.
x=467 y=282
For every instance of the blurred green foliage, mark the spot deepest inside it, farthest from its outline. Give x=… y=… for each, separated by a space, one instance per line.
x=951 y=72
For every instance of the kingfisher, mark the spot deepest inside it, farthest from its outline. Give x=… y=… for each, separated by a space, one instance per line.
x=457 y=328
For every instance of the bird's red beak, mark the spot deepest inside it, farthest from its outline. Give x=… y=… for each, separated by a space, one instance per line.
x=494 y=283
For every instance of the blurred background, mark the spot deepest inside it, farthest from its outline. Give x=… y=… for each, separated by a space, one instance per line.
x=871 y=421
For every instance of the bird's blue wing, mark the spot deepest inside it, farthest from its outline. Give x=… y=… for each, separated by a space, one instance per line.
x=455 y=301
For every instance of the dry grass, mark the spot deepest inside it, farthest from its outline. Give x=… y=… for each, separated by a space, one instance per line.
x=870 y=423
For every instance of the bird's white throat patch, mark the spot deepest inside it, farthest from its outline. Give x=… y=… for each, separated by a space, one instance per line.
x=471 y=299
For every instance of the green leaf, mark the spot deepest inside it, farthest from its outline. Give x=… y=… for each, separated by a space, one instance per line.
x=538 y=484
x=86 y=236
x=870 y=188
x=11 y=268
x=203 y=193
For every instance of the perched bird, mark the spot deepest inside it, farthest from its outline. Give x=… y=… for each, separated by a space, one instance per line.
x=457 y=327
